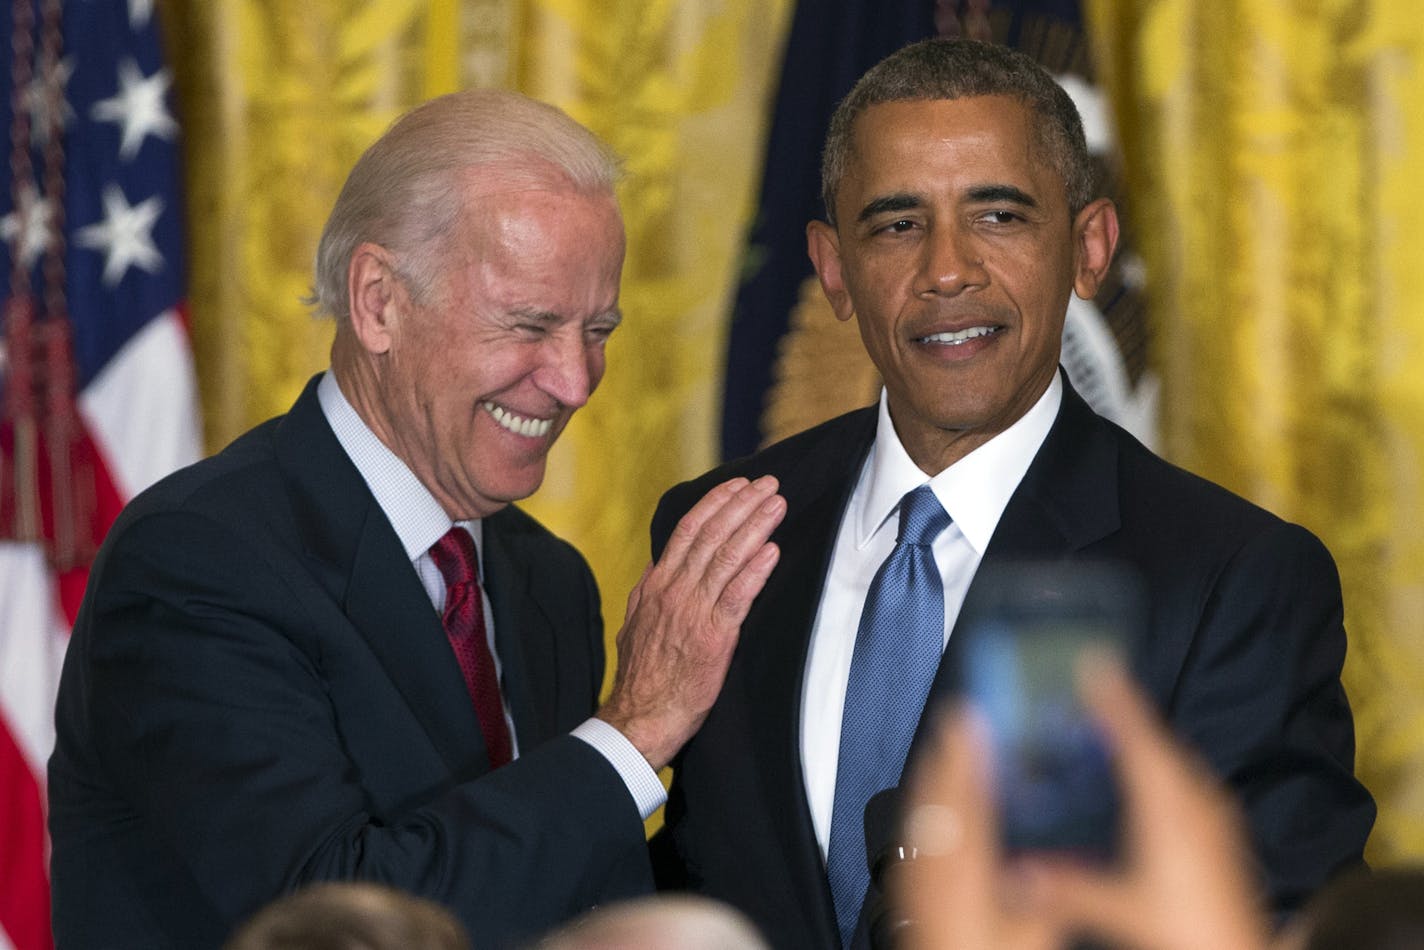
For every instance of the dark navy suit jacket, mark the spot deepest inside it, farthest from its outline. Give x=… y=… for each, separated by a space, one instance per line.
x=258 y=695
x=1243 y=658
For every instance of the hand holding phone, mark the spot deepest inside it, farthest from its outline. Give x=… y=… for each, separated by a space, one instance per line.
x=1021 y=633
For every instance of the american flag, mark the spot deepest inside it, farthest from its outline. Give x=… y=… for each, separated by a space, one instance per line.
x=97 y=393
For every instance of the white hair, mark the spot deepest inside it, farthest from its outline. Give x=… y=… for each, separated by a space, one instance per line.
x=403 y=193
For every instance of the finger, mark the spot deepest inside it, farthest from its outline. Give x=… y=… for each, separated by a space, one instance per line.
x=707 y=529
x=1108 y=691
x=1157 y=772
x=690 y=524
x=734 y=555
x=950 y=889
x=736 y=597
x=635 y=596
x=1145 y=750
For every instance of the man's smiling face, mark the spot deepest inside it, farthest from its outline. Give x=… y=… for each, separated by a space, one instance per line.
x=955 y=252
x=485 y=373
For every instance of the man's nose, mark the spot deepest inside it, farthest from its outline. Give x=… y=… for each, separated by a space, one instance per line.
x=953 y=262
x=564 y=371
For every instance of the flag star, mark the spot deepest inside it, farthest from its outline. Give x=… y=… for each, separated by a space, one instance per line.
x=37 y=99
x=139 y=107
x=28 y=226
x=139 y=13
x=125 y=236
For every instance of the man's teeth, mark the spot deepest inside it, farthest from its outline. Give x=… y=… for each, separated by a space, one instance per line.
x=519 y=425
x=959 y=336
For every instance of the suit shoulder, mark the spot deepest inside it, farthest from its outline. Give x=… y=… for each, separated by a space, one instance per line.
x=218 y=485
x=1157 y=492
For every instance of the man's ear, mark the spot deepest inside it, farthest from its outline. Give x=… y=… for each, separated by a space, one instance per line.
x=375 y=293
x=1095 y=239
x=824 y=246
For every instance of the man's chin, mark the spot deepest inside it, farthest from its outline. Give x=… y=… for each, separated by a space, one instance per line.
x=517 y=486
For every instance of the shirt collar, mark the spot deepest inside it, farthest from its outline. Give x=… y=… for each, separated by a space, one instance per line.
x=974 y=490
x=418 y=519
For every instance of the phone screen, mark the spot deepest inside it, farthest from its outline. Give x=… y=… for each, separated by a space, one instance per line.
x=1024 y=629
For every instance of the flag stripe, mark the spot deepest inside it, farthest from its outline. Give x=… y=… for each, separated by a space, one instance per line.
x=139 y=408
x=24 y=896
x=136 y=409
x=32 y=643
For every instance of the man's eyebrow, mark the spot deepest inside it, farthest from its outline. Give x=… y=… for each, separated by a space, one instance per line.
x=1002 y=193
x=889 y=204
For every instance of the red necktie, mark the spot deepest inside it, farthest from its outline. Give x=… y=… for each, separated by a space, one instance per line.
x=464 y=621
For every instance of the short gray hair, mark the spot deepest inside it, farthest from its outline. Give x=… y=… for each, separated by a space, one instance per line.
x=403 y=193
x=958 y=69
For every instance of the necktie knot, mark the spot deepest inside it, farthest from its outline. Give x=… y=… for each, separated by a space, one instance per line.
x=455 y=555
x=922 y=517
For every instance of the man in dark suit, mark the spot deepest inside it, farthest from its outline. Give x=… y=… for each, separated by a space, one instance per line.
x=335 y=650
x=960 y=218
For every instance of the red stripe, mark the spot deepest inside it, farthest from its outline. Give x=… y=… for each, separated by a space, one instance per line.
x=107 y=505
x=185 y=319
x=24 y=885
x=95 y=496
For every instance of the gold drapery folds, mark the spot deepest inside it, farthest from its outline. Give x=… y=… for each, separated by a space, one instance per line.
x=1274 y=150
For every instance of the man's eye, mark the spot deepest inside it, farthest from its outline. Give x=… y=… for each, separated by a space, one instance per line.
x=1000 y=217
x=899 y=226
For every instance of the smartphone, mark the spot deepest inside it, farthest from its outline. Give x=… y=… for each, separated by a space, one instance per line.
x=1021 y=632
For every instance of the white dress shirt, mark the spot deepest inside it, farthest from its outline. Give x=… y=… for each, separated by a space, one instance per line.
x=973 y=491
x=419 y=521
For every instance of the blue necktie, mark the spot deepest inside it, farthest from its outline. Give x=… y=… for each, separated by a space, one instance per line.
x=897 y=650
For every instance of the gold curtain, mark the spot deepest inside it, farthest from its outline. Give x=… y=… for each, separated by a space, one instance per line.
x=1273 y=152
x=278 y=99
x=681 y=91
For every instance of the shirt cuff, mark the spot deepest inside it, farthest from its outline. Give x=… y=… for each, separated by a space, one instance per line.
x=643 y=783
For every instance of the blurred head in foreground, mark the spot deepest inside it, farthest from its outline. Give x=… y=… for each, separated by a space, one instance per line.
x=351 y=916
x=658 y=923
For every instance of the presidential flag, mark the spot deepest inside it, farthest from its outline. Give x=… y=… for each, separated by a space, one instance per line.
x=97 y=393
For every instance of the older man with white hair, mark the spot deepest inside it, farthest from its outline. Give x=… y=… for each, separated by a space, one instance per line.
x=336 y=650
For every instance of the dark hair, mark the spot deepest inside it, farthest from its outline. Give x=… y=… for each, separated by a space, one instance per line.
x=957 y=69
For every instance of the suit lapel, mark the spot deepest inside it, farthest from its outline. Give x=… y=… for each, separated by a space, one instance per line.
x=360 y=560
x=1067 y=500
